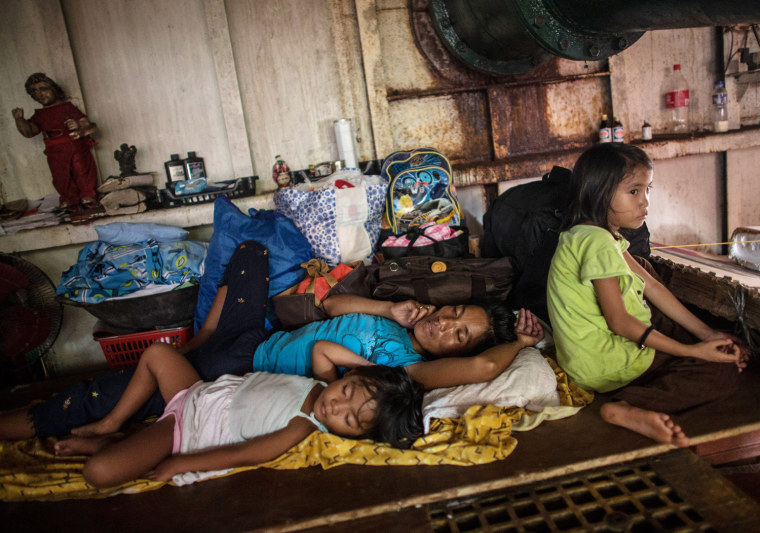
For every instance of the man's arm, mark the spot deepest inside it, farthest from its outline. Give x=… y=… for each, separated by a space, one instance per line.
x=344 y=304
x=452 y=371
x=405 y=313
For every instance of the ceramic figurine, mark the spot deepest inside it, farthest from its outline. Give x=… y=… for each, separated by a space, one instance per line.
x=66 y=131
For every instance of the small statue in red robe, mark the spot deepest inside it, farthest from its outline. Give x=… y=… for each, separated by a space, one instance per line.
x=66 y=131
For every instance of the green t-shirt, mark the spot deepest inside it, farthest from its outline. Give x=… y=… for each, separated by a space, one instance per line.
x=591 y=354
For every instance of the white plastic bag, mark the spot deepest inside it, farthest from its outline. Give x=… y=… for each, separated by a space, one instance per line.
x=341 y=224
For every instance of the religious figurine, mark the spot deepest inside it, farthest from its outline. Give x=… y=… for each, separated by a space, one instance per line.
x=126 y=159
x=66 y=131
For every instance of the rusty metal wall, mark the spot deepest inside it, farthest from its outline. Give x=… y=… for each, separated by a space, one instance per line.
x=499 y=129
x=481 y=121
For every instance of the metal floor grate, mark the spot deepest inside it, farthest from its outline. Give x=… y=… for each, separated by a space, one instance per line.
x=631 y=497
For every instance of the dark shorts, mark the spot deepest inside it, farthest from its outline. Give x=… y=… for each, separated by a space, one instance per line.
x=674 y=384
x=241 y=326
x=230 y=350
x=85 y=402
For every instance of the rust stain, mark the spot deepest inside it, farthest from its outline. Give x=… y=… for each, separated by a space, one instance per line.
x=515 y=168
x=508 y=127
x=475 y=128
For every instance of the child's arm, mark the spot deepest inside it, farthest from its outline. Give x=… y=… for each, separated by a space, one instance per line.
x=251 y=452
x=663 y=299
x=25 y=128
x=406 y=313
x=452 y=371
x=626 y=325
x=327 y=356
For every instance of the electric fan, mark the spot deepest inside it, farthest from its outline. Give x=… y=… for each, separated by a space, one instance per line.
x=30 y=319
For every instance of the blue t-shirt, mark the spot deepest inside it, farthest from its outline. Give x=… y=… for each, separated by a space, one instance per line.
x=377 y=339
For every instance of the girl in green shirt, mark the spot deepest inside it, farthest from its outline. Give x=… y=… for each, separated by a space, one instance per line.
x=599 y=298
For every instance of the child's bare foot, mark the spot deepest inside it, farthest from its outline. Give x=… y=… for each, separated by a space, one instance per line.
x=101 y=427
x=657 y=426
x=84 y=445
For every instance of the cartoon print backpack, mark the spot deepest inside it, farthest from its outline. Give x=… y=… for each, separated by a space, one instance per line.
x=420 y=190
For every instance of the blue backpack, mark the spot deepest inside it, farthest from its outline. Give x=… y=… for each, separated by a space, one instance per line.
x=420 y=190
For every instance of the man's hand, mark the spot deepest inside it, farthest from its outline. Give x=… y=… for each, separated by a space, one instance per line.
x=409 y=312
x=18 y=113
x=528 y=329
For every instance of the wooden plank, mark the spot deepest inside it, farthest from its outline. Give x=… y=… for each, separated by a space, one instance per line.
x=374 y=76
x=229 y=90
x=730 y=449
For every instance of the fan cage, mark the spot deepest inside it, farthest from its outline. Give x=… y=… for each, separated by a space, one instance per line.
x=40 y=295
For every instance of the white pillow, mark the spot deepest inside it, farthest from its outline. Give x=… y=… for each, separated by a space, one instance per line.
x=528 y=382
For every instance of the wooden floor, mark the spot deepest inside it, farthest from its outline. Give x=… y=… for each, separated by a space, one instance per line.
x=376 y=497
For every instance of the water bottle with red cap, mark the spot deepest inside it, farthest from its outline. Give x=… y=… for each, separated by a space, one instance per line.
x=677 y=101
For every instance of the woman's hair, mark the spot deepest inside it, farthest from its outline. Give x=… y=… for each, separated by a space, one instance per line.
x=38 y=77
x=596 y=176
x=501 y=325
x=398 y=401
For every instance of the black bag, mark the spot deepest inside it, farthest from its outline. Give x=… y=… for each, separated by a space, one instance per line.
x=524 y=223
x=454 y=247
x=440 y=281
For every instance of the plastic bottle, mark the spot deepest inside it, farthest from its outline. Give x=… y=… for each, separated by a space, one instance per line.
x=618 y=133
x=344 y=137
x=175 y=170
x=646 y=131
x=194 y=167
x=605 y=131
x=677 y=102
x=195 y=176
x=720 y=108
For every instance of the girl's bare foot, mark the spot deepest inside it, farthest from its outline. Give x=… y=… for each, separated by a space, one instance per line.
x=101 y=427
x=84 y=445
x=657 y=426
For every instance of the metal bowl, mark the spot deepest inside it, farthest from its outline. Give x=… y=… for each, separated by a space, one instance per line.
x=156 y=311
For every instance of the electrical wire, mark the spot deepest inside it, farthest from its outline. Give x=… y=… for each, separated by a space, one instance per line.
x=699 y=244
x=732 y=52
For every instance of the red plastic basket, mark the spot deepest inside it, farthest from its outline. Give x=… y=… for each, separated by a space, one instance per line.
x=123 y=351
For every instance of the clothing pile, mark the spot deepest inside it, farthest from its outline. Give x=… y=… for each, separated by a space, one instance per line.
x=114 y=267
x=126 y=195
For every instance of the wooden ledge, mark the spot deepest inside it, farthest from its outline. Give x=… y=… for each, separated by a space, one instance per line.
x=66 y=234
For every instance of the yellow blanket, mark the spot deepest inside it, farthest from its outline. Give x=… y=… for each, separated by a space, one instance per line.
x=29 y=471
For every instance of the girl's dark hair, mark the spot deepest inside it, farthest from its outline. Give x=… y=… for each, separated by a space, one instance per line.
x=596 y=176
x=398 y=400
x=38 y=77
x=501 y=325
